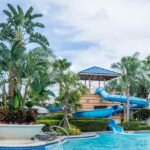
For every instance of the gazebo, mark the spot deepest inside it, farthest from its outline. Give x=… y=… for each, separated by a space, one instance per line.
x=97 y=74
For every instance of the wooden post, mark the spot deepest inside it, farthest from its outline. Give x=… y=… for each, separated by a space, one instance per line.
x=99 y=82
x=104 y=82
x=125 y=112
x=89 y=84
x=85 y=80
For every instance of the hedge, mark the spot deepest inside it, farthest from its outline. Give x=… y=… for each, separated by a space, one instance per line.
x=90 y=125
x=135 y=126
x=85 y=125
x=53 y=116
x=48 y=123
x=131 y=125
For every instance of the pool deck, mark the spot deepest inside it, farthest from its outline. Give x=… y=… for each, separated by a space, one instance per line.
x=37 y=143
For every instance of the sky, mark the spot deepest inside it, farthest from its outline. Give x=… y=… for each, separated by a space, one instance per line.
x=92 y=32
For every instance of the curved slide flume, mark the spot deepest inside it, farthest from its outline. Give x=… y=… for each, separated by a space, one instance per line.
x=106 y=112
x=135 y=102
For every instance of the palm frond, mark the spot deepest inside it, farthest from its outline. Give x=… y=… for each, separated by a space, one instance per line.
x=12 y=9
x=20 y=10
x=6 y=12
x=40 y=39
x=35 y=16
x=29 y=11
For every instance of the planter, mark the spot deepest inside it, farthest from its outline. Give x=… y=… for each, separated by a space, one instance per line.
x=19 y=132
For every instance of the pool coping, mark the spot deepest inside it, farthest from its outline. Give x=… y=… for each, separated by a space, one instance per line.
x=63 y=138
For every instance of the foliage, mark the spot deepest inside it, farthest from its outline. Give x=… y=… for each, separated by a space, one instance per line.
x=17 y=101
x=84 y=125
x=141 y=114
x=21 y=68
x=131 y=125
x=72 y=90
x=61 y=65
x=133 y=75
x=54 y=116
x=146 y=127
x=90 y=125
x=70 y=93
x=48 y=123
x=19 y=117
x=29 y=104
x=73 y=130
x=135 y=126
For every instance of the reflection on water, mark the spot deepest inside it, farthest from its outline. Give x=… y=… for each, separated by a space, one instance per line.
x=107 y=141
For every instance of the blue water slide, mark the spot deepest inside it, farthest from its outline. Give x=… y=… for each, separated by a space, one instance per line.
x=106 y=112
x=112 y=126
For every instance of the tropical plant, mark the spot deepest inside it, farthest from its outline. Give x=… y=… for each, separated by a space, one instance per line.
x=141 y=114
x=20 y=66
x=132 y=75
x=60 y=66
x=72 y=90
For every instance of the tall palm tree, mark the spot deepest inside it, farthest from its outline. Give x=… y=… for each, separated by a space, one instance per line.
x=132 y=75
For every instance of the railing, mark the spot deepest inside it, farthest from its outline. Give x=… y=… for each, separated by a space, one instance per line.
x=61 y=128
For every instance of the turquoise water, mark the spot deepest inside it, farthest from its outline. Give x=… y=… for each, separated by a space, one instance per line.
x=106 y=141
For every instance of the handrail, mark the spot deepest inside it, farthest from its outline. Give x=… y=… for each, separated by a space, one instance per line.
x=63 y=129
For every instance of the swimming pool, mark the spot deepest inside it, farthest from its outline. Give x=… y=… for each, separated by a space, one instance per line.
x=106 y=141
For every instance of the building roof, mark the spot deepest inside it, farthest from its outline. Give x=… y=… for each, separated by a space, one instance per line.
x=97 y=73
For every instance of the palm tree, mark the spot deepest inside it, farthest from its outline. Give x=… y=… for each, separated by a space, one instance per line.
x=60 y=66
x=16 y=35
x=38 y=75
x=72 y=90
x=132 y=75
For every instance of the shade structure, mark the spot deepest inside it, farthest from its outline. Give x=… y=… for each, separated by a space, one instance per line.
x=97 y=74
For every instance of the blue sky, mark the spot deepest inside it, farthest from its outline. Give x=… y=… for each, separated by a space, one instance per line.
x=93 y=32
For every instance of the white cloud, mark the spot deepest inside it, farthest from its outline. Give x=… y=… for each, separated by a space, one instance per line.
x=118 y=28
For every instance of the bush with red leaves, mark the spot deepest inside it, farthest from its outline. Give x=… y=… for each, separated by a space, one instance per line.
x=19 y=117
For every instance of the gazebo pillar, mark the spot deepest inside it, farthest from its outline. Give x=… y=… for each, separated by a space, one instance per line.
x=104 y=83
x=89 y=84
x=85 y=80
x=99 y=82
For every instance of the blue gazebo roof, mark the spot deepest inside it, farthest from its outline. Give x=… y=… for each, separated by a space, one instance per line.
x=97 y=73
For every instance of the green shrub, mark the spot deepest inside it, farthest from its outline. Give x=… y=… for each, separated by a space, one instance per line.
x=141 y=114
x=74 y=130
x=90 y=125
x=145 y=127
x=48 y=123
x=100 y=119
x=85 y=125
x=53 y=116
x=131 y=125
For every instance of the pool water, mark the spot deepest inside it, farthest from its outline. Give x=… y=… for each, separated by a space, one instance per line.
x=106 y=141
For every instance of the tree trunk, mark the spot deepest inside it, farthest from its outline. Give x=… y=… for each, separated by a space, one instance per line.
x=11 y=87
x=25 y=94
x=65 y=125
x=4 y=98
x=128 y=103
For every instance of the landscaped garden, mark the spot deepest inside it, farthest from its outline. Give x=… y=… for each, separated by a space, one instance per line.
x=29 y=69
